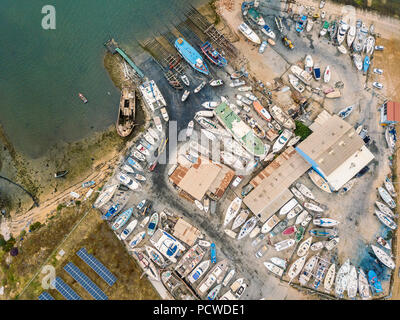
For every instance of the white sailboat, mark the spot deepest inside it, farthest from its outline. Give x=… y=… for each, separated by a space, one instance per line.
x=307 y=271
x=387 y=198
x=363 y=286
x=352 y=285
x=240 y=219
x=304 y=247
x=274 y=268
x=297 y=194
x=329 y=278
x=279 y=262
x=386 y=220
x=247 y=227
x=305 y=191
x=296 y=267
x=285 y=244
x=301 y=217
x=390 y=187
x=288 y=206
x=383 y=257
x=232 y=210
x=342 y=278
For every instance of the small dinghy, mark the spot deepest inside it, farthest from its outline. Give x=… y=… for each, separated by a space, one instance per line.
x=313 y=207
x=279 y=262
x=201 y=86
x=216 y=83
x=274 y=269
x=199 y=205
x=389 y=187
x=317 y=246
x=290 y=230
x=189 y=129
x=327 y=74
x=185 y=95
x=363 y=286
x=298 y=194
x=296 y=267
x=185 y=80
x=329 y=278
x=204 y=243
x=137 y=239
x=387 y=198
x=305 y=191
x=384 y=208
x=344 y=113
x=301 y=217
x=386 y=220
x=325 y=222
x=285 y=244
x=323 y=232
x=329 y=245
x=347 y=186
x=383 y=257
x=136 y=154
x=128 y=230
x=304 y=247
x=247 y=227
x=151 y=228
x=383 y=243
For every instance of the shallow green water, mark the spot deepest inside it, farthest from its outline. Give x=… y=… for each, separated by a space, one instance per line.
x=42 y=71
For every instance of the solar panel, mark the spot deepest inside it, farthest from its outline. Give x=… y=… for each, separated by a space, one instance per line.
x=45 y=296
x=97 y=266
x=85 y=281
x=65 y=289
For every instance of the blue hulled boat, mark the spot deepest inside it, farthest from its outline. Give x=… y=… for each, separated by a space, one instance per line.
x=191 y=55
x=213 y=253
x=301 y=23
x=366 y=63
x=112 y=211
x=374 y=281
x=213 y=55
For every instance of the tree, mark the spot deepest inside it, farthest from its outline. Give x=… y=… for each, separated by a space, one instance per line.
x=35 y=226
x=302 y=130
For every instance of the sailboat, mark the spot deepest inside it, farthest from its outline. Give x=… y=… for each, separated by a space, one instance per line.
x=352 y=285
x=304 y=247
x=105 y=196
x=274 y=268
x=247 y=227
x=296 y=267
x=384 y=209
x=342 y=278
x=232 y=210
x=387 y=198
x=390 y=187
x=305 y=191
x=386 y=220
x=329 y=278
x=363 y=286
x=122 y=219
x=308 y=269
x=383 y=257
x=325 y=222
x=285 y=244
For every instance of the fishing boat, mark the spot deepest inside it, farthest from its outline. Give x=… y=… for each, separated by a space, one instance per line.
x=323 y=232
x=164 y=114
x=247 y=227
x=301 y=217
x=268 y=31
x=261 y=111
x=300 y=24
x=185 y=80
x=237 y=74
x=216 y=83
x=306 y=220
x=105 y=195
x=88 y=184
x=304 y=247
x=374 y=281
x=131 y=184
x=294 y=212
x=313 y=207
x=383 y=243
x=344 y=113
x=366 y=64
x=342 y=49
x=288 y=206
x=232 y=210
x=308 y=63
x=363 y=286
x=342 y=278
x=212 y=295
x=293 y=141
x=145 y=221
x=327 y=74
x=387 y=198
x=390 y=136
x=139 y=177
x=325 y=222
x=352 y=284
x=204 y=243
x=357 y=61
x=216 y=274
x=191 y=56
x=237 y=83
x=256 y=16
x=82 y=97
x=149 y=138
x=122 y=219
x=146 y=264
x=189 y=129
x=305 y=191
x=390 y=187
x=329 y=278
x=386 y=220
x=228 y=277
x=249 y=33
x=296 y=83
x=211 y=105
x=351 y=34
x=213 y=55
x=206 y=204
x=200 y=270
x=383 y=257
x=317 y=246
x=128 y=230
x=274 y=269
x=185 y=95
x=303 y=75
x=329 y=245
x=155 y=256
x=296 y=267
x=151 y=228
x=308 y=269
x=201 y=86
x=270 y=224
x=310 y=24
x=239 y=292
x=285 y=244
x=282 y=140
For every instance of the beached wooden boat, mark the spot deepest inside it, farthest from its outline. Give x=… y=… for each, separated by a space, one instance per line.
x=126 y=113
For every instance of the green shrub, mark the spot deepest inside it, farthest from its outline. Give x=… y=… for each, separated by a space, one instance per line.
x=302 y=130
x=35 y=226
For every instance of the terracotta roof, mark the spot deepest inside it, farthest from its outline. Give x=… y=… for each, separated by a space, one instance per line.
x=393 y=111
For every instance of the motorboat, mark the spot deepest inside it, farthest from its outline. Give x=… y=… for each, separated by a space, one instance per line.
x=386 y=220
x=351 y=34
x=357 y=61
x=327 y=74
x=232 y=210
x=249 y=33
x=295 y=82
x=268 y=31
x=305 y=191
x=282 y=140
x=185 y=95
x=384 y=208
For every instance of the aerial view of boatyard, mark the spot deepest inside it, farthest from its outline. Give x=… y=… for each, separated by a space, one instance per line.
x=199 y=150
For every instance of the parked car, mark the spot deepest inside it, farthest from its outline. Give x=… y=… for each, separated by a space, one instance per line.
x=262 y=47
x=261 y=251
x=378 y=71
x=379 y=48
x=377 y=85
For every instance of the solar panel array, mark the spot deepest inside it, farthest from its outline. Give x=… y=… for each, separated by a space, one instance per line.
x=97 y=266
x=45 y=296
x=65 y=289
x=85 y=281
